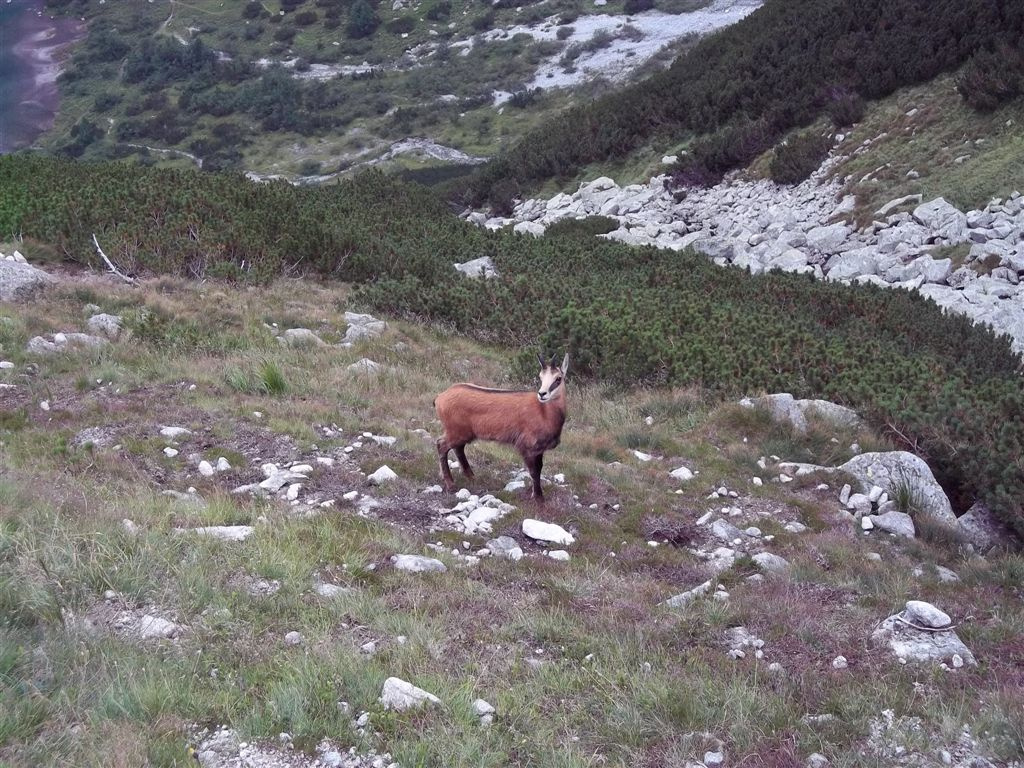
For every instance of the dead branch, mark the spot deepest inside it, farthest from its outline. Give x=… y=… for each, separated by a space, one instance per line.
x=110 y=264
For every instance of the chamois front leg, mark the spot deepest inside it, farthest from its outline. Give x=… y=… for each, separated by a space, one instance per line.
x=534 y=464
x=443 y=447
x=460 y=454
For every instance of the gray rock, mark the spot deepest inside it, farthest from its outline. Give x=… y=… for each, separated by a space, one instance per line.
x=400 y=695
x=529 y=228
x=300 y=338
x=829 y=238
x=929 y=269
x=725 y=531
x=926 y=615
x=784 y=407
x=331 y=591
x=766 y=561
x=417 y=564
x=20 y=281
x=916 y=645
x=481 y=708
x=506 y=547
x=898 y=523
x=852 y=264
x=899 y=201
x=105 y=325
x=364 y=365
x=154 y=628
x=362 y=327
x=482 y=268
x=980 y=528
x=684 y=598
x=894 y=470
x=943 y=219
x=224 y=532
x=293 y=638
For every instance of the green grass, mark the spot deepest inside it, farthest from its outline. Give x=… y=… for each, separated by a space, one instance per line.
x=583 y=665
x=966 y=156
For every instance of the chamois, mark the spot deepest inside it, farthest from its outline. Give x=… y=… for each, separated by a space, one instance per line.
x=531 y=422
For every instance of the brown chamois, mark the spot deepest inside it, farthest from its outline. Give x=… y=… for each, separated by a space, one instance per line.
x=529 y=421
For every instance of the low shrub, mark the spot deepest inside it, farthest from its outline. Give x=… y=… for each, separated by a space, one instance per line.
x=799 y=157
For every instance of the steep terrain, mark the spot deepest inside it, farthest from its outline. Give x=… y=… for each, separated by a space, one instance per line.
x=310 y=88
x=197 y=536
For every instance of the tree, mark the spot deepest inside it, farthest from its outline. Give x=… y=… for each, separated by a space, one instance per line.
x=362 y=20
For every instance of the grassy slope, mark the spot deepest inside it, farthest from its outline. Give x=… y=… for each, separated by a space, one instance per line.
x=966 y=156
x=657 y=678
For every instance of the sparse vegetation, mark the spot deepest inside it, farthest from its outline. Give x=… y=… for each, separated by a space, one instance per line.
x=647 y=316
x=580 y=648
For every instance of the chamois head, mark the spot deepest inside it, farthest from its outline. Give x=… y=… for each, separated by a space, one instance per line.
x=551 y=378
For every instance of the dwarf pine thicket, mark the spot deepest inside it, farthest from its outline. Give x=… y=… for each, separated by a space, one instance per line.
x=740 y=90
x=626 y=315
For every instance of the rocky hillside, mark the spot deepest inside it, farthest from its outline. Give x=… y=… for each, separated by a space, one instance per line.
x=222 y=539
x=307 y=89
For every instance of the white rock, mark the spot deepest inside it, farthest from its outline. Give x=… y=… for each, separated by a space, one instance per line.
x=770 y=562
x=481 y=708
x=482 y=268
x=549 y=532
x=154 y=627
x=293 y=638
x=926 y=615
x=417 y=564
x=506 y=547
x=684 y=598
x=383 y=475
x=840 y=662
x=682 y=473
x=400 y=695
x=173 y=433
x=331 y=591
x=170 y=452
x=225 y=532
x=559 y=554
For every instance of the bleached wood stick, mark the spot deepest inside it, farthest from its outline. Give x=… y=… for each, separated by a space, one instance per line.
x=109 y=263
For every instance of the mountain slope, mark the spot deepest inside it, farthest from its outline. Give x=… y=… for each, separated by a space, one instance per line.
x=123 y=643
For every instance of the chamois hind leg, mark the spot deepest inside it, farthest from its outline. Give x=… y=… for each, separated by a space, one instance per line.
x=535 y=463
x=443 y=447
x=460 y=454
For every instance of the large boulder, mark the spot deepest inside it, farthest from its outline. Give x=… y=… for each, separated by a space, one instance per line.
x=912 y=636
x=943 y=219
x=105 y=325
x=784 y=407
x=19 y=281
x=853 y=264
x=902 y=472
x=828 y=239
x=980 y=528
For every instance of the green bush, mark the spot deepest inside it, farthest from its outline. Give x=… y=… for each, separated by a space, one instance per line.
x=798 y=158
x=362 y=20
x=629 y=316
x=774 y=67
x=591 y=226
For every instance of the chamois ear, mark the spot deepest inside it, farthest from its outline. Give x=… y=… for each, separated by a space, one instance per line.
x=565 y=364
x=540 y=359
